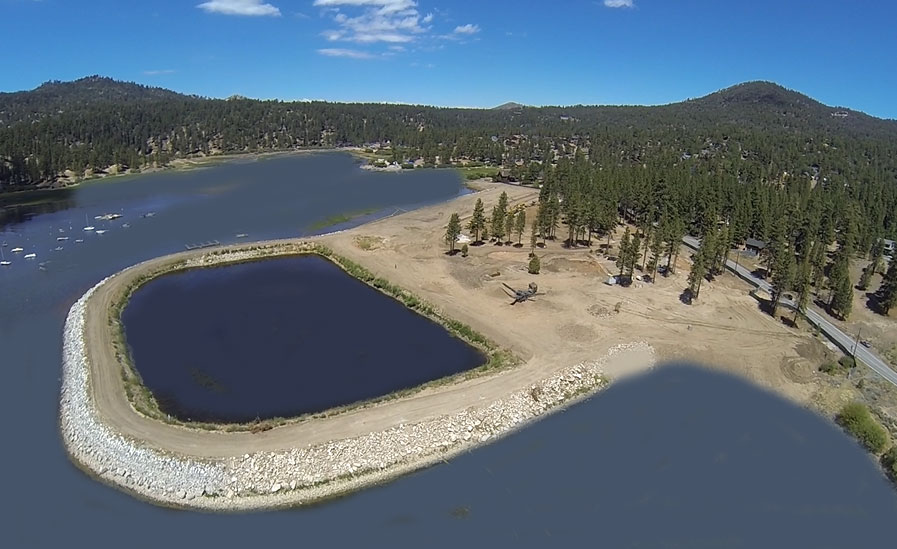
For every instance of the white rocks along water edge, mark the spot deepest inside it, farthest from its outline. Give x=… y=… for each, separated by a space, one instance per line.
x=296 y=476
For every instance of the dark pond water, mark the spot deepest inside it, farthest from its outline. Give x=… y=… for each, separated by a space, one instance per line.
x=683 y=458
x=279 y=338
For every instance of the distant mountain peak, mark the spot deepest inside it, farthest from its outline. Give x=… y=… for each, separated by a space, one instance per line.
x=508 y=106
x=762 y=93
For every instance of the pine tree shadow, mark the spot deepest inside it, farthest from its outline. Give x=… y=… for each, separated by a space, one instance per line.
x=873 y=303
x=788 y=321
x=687 y=297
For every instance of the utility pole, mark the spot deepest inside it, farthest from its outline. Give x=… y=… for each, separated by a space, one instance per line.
x=856 y=343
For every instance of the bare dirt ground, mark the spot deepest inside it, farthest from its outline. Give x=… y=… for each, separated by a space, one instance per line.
x=574 y=321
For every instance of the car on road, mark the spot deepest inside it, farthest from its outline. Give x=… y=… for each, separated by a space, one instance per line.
x=865 y=343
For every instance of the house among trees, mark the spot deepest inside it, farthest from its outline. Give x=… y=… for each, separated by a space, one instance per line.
x=755 y=246
x=505 y=175
x=889 y=246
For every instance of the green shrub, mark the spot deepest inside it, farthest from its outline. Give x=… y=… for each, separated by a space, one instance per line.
x=847 y=362
x=856 y=420
x=889 y=462
x=534 y=265
x=464 y=250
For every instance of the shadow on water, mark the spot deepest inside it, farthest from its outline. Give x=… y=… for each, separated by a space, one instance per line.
x=19 y=207
x=682 y=457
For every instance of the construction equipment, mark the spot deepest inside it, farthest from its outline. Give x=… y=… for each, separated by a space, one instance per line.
x=522 y=295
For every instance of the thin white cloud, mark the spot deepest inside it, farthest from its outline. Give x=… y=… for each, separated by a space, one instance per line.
x=619 y=3
x=240 y=7
x=389 y=21
x=344 y=52
x=158 y=72
x=468 y=29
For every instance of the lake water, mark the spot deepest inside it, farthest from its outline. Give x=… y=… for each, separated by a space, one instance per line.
x=681 y=458
x=280 y=338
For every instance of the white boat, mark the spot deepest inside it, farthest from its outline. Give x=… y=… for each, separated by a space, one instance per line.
x=125 y=225
x=30 y=256
x=61 y=238
x=242 y=235
x=89 y=228
x=101 y=231
x=79 y=240
x=3 y=261
x=17 y=250
x=58 y=248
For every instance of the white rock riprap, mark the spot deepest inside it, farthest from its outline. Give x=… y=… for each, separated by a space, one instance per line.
x=253 y=480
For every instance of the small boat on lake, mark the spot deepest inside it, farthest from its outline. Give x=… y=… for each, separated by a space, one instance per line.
x=61 y=238
x=30 y=256
x=79 y=240
x=242 y=235
x=89 y=228
x=58 y=248
x=17 y=250
x=101 y=231
x=107 y=217
x=3 y=261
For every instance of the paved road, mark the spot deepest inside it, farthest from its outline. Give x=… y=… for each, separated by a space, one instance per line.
x=841 y=339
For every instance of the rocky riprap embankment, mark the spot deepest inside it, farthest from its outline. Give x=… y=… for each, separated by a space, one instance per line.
x=291 y=476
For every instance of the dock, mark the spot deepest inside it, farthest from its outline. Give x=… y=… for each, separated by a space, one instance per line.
x=208 y=244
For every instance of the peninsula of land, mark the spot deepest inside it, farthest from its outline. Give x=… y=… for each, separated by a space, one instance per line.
x=575 y=338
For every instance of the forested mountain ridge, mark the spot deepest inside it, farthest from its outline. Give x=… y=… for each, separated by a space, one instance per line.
x=55 y=97
x=754 y=132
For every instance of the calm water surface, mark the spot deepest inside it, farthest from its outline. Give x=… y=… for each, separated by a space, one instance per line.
x=681 y=458
x=280 y=338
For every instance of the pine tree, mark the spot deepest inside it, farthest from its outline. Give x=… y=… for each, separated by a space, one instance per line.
x=520 y=225
x=887 y=292
x=498 y=224
x=708 y=250
x=453 y=231
x=478 y=220
x=509 y=226
x=656 y=251
x=842 y=298
x=783 y=278
x=532 y=239
x=696 y=275
x=866 y=277
x=635 y=248
x=802 y=286
x=623 y=253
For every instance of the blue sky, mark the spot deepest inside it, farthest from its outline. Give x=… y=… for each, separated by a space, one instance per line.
x=462 y=52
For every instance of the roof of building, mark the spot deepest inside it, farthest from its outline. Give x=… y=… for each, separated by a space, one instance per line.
x=754 y=243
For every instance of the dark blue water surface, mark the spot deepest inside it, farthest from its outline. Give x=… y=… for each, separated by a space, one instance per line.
x=280 y=338
x=681 y=458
